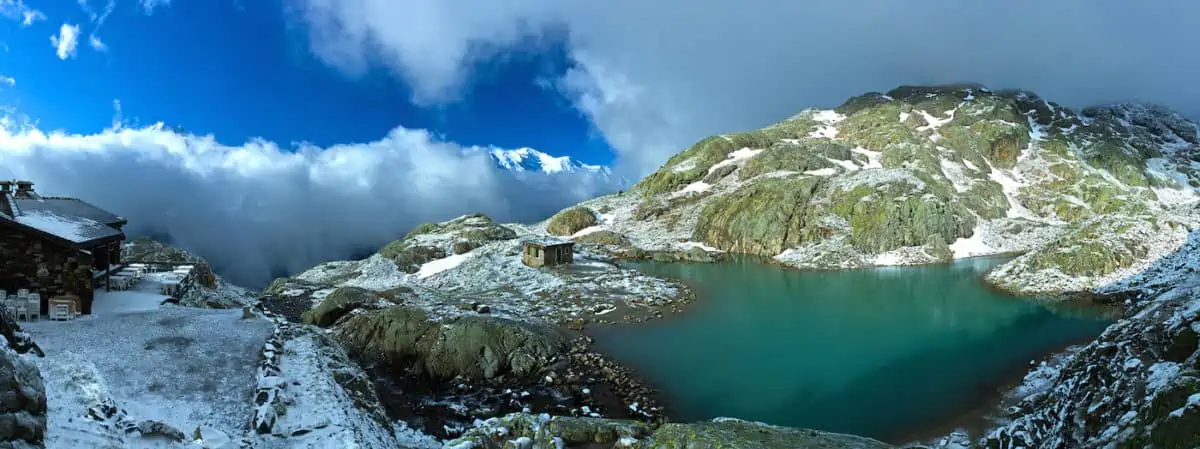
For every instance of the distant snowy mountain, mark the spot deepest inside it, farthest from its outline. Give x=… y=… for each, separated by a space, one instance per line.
x=531 y=160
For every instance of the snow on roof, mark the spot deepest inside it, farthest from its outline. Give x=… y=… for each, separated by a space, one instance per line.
x=71 y=228
x=545 y=241
x=74 y=207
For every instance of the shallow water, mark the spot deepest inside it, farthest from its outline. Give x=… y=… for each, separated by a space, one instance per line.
x=882 y=352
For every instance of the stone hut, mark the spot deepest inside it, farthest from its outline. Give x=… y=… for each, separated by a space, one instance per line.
x=51 y=245
x=548 y=252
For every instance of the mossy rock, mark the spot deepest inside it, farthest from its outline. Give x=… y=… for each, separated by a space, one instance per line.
x=720 y=173
x=570 y=221
x=937 y=248
x=1086 y=249
x=894 y=215
x=474 y=347
x=604 y=237
x=879 y=128
x=862 y=102
x=987 y=199
x=650 y=208
x=1000 y=141
x=340 y=302
x=464 y=246
x=409 y=256
x=793 y=157
x=762 y=218
x=423 y=228
x=748 y=435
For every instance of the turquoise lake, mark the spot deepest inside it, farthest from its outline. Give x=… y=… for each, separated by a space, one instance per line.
x=882 y=352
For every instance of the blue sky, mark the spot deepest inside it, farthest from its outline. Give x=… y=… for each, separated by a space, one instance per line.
x=242 y=69
x=400 y=96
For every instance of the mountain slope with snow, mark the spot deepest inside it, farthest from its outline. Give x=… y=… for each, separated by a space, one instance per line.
x=920 y=175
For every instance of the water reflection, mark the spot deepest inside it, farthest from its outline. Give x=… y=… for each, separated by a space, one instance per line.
x=862 y=351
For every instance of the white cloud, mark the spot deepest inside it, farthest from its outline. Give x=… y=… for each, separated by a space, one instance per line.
x=258 y=210
x=65 y=41
x=149 y=5
x=10 y=81
x=96 y=43
x=17 y=10
x=655 y=76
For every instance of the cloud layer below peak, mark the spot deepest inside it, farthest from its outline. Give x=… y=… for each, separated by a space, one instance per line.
x=258 y=210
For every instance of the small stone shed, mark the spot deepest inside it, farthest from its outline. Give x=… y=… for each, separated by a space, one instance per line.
x=547 y=252
x=55 y=245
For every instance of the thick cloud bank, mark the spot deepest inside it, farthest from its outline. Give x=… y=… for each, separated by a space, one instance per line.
x=258 y=210
x=655 y=76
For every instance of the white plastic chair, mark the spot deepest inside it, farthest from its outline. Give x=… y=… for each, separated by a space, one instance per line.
x=22 y=293
x=21 y=310
x=35 y=306
x=3 y=295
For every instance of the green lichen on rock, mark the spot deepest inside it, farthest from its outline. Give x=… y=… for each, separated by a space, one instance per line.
x=423 y=228
x=798 y=157
x=604 y=237
x=1000 y=141
x=410 y=255
x=750 y=435
x=1093 y=248
x=693 y=164
x=475 y=347
x=340 y=302
x=570 y=221
x=987 y=199
x=887 y=216
x=431 y=241
x=879 y=127
x=562 y=431
x=761 y=218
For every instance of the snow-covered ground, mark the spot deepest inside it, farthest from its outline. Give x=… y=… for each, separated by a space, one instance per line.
x=186 y=368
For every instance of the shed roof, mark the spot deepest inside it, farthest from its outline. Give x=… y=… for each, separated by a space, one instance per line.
x=545 y=241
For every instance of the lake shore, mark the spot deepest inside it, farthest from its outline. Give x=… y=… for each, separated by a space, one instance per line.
x=974 y=416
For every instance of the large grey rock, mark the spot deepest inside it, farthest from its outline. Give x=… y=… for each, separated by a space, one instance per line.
x=474 y=347
x=22 y=402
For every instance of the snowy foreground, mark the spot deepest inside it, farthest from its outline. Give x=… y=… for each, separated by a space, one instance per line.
x=138 y=374
x=186 y=368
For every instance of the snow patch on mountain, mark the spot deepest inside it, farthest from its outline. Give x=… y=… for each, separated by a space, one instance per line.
x=531 y=160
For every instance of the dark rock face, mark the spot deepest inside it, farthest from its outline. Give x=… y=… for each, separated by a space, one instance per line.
x=22 y=393
x=1137 y=385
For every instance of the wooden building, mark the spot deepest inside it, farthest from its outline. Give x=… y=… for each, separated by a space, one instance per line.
x=542 y=253
x=53 y=245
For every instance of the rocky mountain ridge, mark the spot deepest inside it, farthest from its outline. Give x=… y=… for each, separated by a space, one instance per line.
x=1094 y=200
x=918 y=175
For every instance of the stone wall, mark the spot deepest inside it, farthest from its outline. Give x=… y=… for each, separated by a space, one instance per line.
x=41 y=266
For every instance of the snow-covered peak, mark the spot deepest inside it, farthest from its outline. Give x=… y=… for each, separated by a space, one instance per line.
x=529 y=159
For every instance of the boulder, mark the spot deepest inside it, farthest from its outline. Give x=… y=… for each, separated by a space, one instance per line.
x=475 y=347
x=340 y=302
x=570 y=221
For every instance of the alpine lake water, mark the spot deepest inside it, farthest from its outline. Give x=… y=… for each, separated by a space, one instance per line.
x=892 y=353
